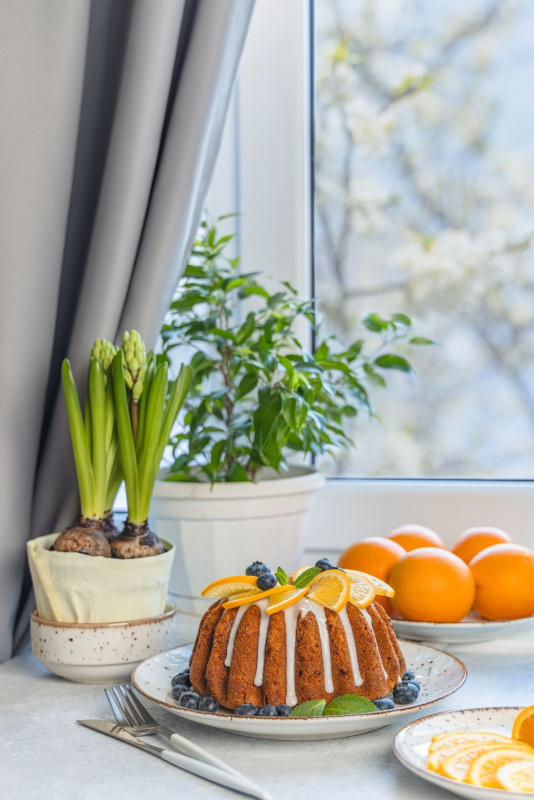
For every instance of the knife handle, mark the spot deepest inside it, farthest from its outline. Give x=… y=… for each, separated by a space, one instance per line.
x=213 y=774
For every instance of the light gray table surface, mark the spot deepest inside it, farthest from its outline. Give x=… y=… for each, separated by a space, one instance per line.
x=45 y=755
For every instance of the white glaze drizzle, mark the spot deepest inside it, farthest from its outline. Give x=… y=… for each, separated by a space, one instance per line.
x=369 y=621
x=351 y=644
x=233 y=633
x=262 y=640
x=291 y=618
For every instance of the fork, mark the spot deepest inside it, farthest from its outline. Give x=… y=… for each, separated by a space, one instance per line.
x=131 y=714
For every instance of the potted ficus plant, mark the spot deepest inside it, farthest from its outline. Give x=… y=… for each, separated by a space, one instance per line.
x=91 y=572
x=233 y=492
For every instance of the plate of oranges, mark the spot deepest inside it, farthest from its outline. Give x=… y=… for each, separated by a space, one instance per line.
x=475 y=753
x=480 y=589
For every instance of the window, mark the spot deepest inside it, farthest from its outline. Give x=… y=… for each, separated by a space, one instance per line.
x=465 y=417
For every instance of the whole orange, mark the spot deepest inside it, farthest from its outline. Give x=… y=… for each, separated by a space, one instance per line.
x=474 y=540
x=374 y=555
x=432 y=585
x=504 y=580
x=413 y=536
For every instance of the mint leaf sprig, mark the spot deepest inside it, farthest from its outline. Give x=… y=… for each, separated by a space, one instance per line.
x=306 y=577
x=281 y=576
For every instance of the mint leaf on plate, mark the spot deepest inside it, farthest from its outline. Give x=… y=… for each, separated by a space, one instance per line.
x=349 y=704
x=312 y=708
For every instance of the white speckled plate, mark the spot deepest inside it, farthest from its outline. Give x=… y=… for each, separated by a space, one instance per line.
x=439 y=673
x=412 y=742
x=471 y=629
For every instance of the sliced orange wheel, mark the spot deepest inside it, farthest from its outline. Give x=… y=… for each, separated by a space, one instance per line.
x=523 y=729
x=331 y=589
x=452 y=743
x=282 y=600
x=251 y=597
x=458 y=764
x=224 y=587
x=251 y=593
x=382 y=588
x=517 y=776
x=483 y=771
x=362 y=590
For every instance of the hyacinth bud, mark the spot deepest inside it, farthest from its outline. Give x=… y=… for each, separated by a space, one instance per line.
x=106 y=352
x=134 y=352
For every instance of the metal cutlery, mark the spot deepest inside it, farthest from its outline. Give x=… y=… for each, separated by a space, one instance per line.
x=192 y=765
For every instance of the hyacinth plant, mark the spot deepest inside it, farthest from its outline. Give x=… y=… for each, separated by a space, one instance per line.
x=122 y=434
x=258 y=393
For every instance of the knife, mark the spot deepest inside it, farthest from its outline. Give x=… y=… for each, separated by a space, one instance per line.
x=199 y=768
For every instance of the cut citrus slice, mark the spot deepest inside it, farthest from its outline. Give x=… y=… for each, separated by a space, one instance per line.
x=445 y=745
x=224 y=587
x=382 y=588
x=298 y=572
x=457 y=765
x=517 y=776
x=523 y=729
x=251 y=597
x=331 y=589
x=483 y=770
x=282 y=600
x=251 y=593
x=362 y=590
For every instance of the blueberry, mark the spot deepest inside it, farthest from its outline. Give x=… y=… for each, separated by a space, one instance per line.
x=384 y=703
x=266 y=581
x=189 y=700
x=268 y=711
x=324 y=564
x=178 y=689
x=257 y=568
x=182 y=677
x=283 y=711
x=408 y=675
x=405 y=693
x=414 y=683
x=208 y=704
x=247 y=710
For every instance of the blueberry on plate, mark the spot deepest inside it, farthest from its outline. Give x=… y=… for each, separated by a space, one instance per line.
x=405 y=693
x=266 y=581
x=257 y=568
x=247 y=710
x=414 y=683
x=189 y=700
x=208 y=704
x=268 y=711
x=178 y=689
x=384 y=703
x=408 y=675
x=182 y=677
x=283 y=710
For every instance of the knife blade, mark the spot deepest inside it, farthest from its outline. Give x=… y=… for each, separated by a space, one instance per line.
x=199 y=768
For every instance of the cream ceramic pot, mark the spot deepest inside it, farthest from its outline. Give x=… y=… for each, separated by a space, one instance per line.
x=218 y=530
x=106 y=652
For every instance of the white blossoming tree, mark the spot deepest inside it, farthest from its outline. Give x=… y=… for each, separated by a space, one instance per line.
x=425 y=206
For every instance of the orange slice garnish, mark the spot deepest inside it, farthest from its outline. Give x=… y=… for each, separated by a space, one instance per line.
x=251 y=597
x=382 y=588
x=331 y=589
x=299 y=571
x=362 y=590
x=523 y=729
x=224 y=587
x=287 y=598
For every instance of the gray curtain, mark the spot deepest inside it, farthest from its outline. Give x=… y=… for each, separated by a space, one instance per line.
x=111 y=116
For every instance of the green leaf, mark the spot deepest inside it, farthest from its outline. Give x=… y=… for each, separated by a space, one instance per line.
x=246 y=329
x=349 y=704
x=306 y=577
x=312 y=708
x=281 y=576
x=420 y=340
x=237 y=473
x=374 y=322
x=391 y=361
x=246 y=385
x=402 y=318
x=265 y=418
x=80 y=445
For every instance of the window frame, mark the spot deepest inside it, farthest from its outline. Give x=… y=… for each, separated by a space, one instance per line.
x=265 y=171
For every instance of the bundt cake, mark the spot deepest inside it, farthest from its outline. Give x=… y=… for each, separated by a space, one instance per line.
x=248 y=651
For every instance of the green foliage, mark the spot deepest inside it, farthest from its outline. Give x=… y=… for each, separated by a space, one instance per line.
x=257 y=392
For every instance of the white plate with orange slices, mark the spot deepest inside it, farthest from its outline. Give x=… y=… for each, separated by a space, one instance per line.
x=473 y=628
x=439 y=673
x=478 y=753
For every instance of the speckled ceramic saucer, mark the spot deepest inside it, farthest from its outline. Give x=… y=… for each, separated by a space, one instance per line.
x=439 y=673
x=412 y=742
x=471 y=629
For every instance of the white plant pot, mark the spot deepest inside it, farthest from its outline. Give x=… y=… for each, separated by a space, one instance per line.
x=218 y=530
